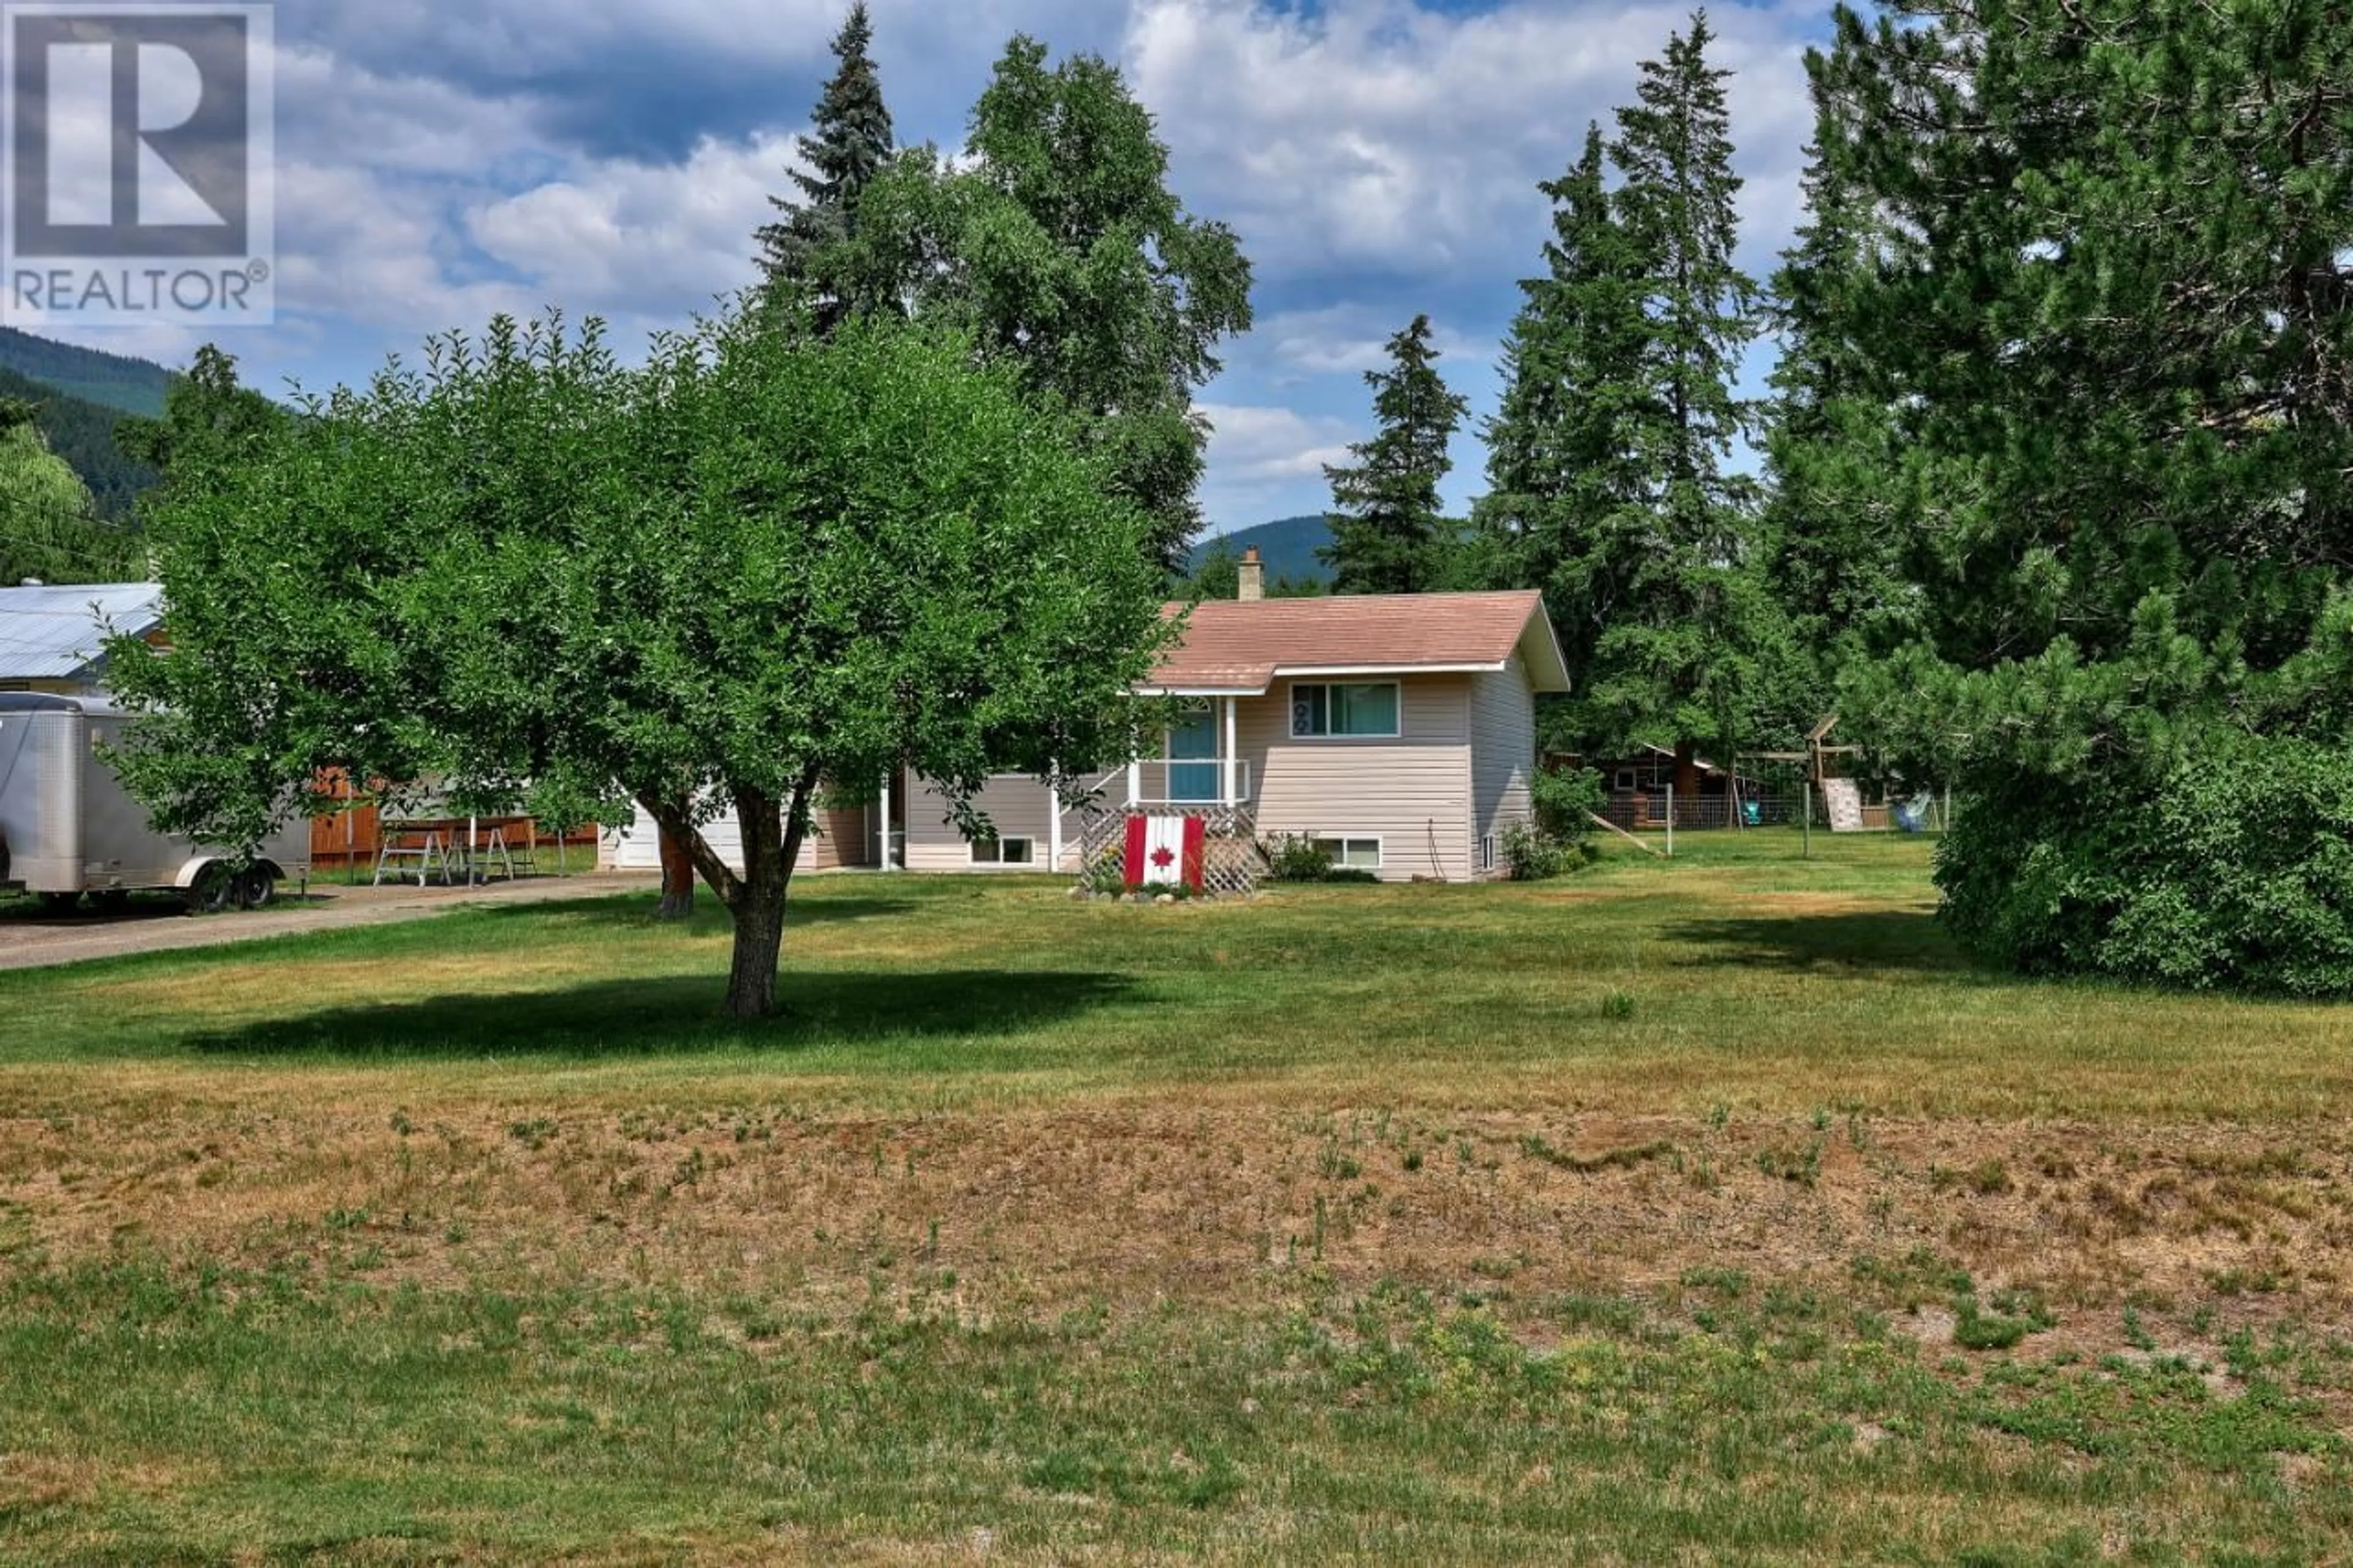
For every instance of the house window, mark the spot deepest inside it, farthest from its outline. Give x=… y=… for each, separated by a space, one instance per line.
x=1355 y=854
x=1487 y=853
x=1626 y=779
x=1004 y=851
x=1363 y=709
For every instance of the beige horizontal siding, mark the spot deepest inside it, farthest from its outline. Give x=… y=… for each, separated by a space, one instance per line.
x=1503 y=753
x=842 y=839
x=1018 y=806
x=1412 y=793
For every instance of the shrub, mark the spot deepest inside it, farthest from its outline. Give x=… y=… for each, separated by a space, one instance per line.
x=1565 y=801
x=1294 y=858
x=1558 y=839
x=1107 y=872
x=1531 y=855
x=2234 y=870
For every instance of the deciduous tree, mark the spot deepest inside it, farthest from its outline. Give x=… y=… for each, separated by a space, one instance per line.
x=768 y=559
x=1058 y=243
x=48 y=526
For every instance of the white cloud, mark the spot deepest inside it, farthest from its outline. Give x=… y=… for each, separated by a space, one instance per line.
x=636 y=237
x=1259 y=446
x=1352 y=338
x=1378 y=159
x=1382 y=136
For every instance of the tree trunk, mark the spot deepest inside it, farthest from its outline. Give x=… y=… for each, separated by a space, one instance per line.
x=759 y=946
x=1687 y=780
x=772 y=846
x=677 y=880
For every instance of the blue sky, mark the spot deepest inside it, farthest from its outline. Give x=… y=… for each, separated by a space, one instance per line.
x=440 y=163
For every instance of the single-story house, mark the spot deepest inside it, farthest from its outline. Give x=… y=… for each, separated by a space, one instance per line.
x=1398 y=729
x=52 y=638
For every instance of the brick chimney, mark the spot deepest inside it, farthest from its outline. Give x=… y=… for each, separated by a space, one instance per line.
x=1253 y=584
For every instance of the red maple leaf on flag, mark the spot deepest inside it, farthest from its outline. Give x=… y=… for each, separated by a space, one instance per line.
x=1164 y=857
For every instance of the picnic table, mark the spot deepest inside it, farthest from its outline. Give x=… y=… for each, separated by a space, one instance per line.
x=456 y=846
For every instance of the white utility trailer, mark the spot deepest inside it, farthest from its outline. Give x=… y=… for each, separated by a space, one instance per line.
x=68 y=827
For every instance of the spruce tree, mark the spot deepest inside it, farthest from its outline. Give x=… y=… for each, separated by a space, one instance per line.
x=1676 y=665
x=1832 y=544
x=1676 y=199
x=851 y=142
x=1609 y=459
x=1388 y=533
x=1564 y=490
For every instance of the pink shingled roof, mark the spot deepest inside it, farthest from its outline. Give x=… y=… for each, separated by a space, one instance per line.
x=1241 y=646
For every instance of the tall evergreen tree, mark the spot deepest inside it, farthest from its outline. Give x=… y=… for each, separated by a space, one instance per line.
x=1610 y=453
x=852 y=142
x=1388 y=531
x=1563 y=511
x=1676 y=665
x=1833 y=543
x=1058 y=243
x=1676 y=199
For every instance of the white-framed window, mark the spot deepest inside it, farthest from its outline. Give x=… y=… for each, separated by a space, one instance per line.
x=1626 y=781
x=1004 y=851
x=1355 y=709
x=1487 y=853
x=1354 y=854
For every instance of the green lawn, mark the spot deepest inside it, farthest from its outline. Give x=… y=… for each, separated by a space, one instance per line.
x=1715 y=1210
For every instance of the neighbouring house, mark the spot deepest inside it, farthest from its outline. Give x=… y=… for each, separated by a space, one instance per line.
x=52 y=638
x=846 y=837
x=1640 y=783
x=1398 y=730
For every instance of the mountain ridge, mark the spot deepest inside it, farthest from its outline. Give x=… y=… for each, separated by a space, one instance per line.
x=113 y=381
x=1287 y=545
x=83 y=395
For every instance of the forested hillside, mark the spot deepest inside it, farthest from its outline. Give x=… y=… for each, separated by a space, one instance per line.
x=110 y=381
x=82 y=432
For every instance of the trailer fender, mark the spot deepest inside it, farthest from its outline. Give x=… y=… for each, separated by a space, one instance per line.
x=194 y=869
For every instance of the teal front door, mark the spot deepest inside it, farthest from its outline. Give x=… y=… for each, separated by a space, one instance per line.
x=1195 y=774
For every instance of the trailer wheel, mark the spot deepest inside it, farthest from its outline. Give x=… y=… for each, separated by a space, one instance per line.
x=258 y=889
x=214 y=892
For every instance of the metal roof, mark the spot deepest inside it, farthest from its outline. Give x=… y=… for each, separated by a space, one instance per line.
x=60 y=633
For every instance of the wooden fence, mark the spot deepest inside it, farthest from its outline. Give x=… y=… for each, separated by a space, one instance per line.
x=353 y=836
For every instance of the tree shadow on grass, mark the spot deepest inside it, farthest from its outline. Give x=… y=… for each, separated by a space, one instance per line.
x=1893 y=940
x=672 y=1016
x=637 y=909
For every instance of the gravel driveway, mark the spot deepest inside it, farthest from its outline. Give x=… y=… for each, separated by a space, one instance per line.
x=36 y=941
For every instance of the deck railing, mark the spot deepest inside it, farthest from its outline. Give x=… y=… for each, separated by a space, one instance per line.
x=1181 y=782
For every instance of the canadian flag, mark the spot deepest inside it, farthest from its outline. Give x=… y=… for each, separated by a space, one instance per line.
x=1163 y=852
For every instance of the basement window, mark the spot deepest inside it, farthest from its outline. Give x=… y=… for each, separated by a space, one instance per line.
x=1355 y=854
x=1004 y=852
